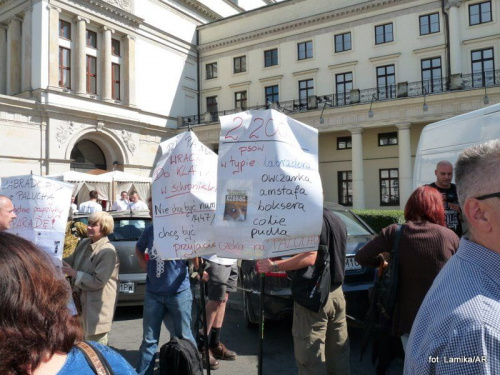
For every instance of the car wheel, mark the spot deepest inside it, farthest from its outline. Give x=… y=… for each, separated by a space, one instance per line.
x=250 y=318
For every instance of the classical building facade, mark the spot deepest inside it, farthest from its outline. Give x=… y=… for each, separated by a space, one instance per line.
x=369 y=75
x=88 y=84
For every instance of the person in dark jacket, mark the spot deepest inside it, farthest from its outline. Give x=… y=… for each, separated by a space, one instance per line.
x=425 y=246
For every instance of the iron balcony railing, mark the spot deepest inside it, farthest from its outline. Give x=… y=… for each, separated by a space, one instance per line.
x=479 y=80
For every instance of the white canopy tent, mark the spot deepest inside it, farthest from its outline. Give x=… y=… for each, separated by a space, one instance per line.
x=122 y=181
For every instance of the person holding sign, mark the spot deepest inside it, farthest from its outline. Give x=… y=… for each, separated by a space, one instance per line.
x=320 y=337
x=91 y=205
x=167 y=292
x=7 y=213
x=93 y=268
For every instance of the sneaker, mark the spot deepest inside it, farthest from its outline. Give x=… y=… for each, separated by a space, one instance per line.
x=221 y=352
x=214 y=364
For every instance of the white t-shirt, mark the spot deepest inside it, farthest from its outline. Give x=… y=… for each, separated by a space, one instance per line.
x=90 y=207
x=224 y=261
x=120 y=205
x=139 y=205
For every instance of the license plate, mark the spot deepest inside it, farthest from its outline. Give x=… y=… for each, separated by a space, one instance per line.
x=127 y=287
x=351 y=264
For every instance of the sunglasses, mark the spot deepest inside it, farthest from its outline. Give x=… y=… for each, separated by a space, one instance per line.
x=486 y=196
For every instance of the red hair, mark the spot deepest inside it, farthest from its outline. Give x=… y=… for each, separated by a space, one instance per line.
x=425 y=204
x=35 y=321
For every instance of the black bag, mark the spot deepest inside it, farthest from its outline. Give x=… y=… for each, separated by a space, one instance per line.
x=180 y=357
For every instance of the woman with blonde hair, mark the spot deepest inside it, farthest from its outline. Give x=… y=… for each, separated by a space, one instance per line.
x=93 y=268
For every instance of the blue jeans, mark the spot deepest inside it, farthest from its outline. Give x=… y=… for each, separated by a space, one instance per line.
x=178 y=306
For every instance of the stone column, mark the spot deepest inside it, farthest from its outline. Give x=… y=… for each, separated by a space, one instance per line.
x=106 y=63
x=455 y=38
x=14 y=60
x=358 y=184
x=405 y=170
x=3 y=59
x=128 y=43
x=26 y=52
x=80 y=57
x=54 y=46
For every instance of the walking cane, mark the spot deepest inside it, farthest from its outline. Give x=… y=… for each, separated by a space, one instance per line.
x=261 y=322
x=201 y=269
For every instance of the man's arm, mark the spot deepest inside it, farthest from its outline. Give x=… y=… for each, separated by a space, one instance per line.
x=142 y=258
x=296 y=262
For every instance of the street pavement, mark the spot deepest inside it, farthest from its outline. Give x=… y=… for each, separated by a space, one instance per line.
x=278 y=358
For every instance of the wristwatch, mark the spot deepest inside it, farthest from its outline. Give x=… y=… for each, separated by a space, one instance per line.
x=275 y=267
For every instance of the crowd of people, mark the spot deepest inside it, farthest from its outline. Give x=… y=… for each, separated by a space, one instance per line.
x=447 y=304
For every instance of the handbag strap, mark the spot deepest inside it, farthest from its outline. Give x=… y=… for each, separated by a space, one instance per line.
x=95 y=359
x=397 y=237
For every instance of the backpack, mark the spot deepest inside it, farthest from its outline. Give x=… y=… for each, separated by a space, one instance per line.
x=180 y=357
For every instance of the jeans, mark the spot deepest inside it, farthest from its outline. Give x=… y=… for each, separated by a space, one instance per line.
x=178 y=306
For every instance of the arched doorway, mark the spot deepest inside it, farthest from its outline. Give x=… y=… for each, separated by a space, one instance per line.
x=86 y=155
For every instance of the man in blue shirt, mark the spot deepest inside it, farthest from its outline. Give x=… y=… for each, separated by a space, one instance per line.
x=167 y=292
x=457 y=329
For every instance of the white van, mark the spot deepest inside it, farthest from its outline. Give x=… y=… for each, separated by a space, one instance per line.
x=444 y=140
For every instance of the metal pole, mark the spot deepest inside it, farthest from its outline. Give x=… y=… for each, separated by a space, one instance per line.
x=204 y=314
x=261 y=322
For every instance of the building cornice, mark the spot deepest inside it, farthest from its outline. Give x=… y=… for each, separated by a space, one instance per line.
x=273 y=78
x=240 y=84
x=482 y=39
x=202 y=9
x=317 y=19
x=305 y=72
x=110 y=8
x=429 y=49
x=392 y=56
x=343 y=65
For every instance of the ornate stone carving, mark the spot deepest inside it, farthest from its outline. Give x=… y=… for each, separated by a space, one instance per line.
x=99 y=126
x=122 y=4
x=129 y=142
x=64 y=132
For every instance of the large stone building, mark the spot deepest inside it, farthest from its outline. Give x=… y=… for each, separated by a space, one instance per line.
x=369 y=75
x=90 y=84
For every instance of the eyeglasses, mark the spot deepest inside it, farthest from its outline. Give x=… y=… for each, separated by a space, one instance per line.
x=492 y=195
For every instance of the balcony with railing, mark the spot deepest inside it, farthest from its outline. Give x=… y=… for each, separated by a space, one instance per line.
x=463 y=82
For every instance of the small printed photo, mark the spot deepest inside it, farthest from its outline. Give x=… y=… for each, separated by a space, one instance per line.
x=236 y=207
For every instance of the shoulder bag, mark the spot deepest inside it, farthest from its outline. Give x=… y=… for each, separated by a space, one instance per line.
x=95 y=359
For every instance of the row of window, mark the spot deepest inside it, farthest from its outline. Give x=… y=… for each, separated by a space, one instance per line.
x=428 y=24
x=388 y=187
x=482 y=65
x=91 y=62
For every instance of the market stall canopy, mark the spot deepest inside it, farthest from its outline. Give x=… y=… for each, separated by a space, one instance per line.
x=123 y=181
x=83 y=183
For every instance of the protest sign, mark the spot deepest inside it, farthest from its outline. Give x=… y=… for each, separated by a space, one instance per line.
x=184 y=197
x=269 y=198
x=42 y=207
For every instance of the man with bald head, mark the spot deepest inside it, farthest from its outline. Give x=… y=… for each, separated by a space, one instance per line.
x=7 y=214
x=444 y=175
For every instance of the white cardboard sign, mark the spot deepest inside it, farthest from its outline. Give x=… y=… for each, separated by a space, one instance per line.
x=270 y=197
x=184 y=198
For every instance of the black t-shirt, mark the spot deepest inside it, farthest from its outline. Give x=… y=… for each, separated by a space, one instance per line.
x=452 y=217
x=334 y=234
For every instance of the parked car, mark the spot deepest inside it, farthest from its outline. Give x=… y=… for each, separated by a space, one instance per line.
x=278 y=300
x=129 y=226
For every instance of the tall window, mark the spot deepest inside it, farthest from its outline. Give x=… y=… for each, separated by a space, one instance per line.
x=271 y=57
x=306 y=89
x=240 y=64
x=389 y=187
x=386 y=82
x=91 y=75
x=343 y=84
x=483 y=66
x=211 y=70
x=115 y=47
x=115 y=81
x=345 y=187
x=431 y=75
x=64 y=67
x=64 y=30
x=91 y=39
x=344 y=143
x=272 y=94
x=305 y=50
x=383 y=34
x=429 y=24
x=343 y=42
x=480 y=13
x=240 y=100
x=212 y=107
x=388 y=139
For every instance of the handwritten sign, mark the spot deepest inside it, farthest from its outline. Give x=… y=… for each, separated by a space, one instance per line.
x=269 y=199
x=184 y=198
x=42 y=207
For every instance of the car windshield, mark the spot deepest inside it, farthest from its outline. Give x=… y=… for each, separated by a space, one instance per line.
x=129 y=229
x=354 y=226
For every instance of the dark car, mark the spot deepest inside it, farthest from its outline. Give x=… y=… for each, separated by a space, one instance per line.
x=278 y=300
x=129 y=226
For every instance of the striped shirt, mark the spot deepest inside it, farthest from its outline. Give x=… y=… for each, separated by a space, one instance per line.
x=457 y=329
